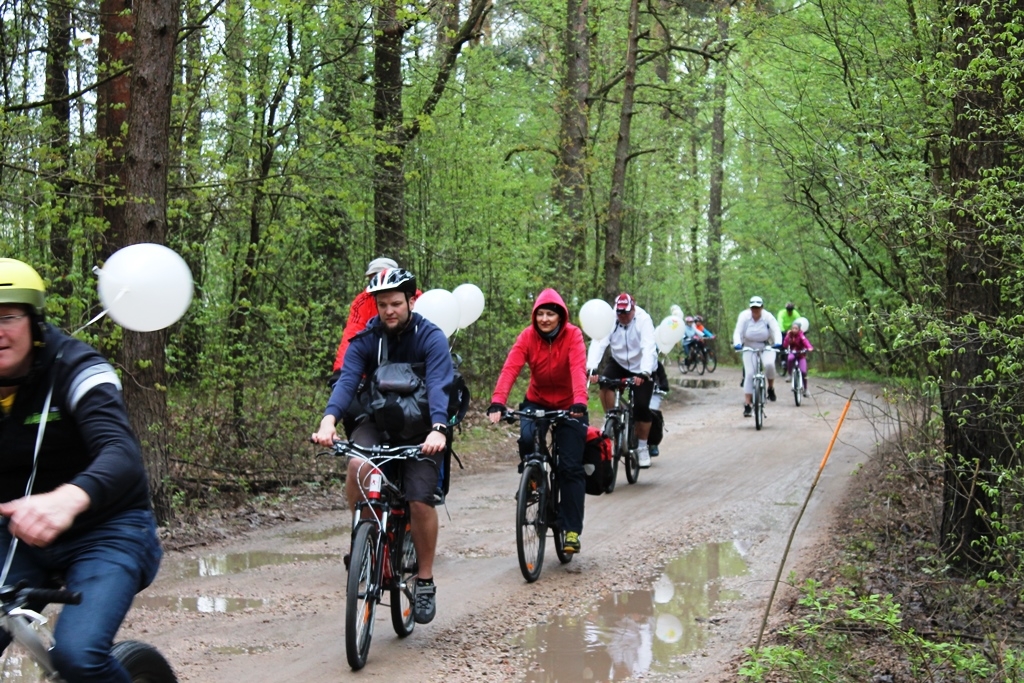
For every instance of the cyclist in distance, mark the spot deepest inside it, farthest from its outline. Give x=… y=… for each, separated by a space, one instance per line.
x=87 y=518
x=787 y=316
x=757 y=328
x=633 y=354
x=698 y=322
x=407 y=337
x=554 y=349
x=797 y=347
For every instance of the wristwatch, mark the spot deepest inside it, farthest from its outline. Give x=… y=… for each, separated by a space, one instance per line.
x=440 y=427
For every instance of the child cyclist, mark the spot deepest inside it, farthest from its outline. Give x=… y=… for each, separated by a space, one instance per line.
x=797 y=347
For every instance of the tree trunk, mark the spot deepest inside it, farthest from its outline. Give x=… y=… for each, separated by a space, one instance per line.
x=389 y=165
x=58 y=56
x=112 y=104
x=147 y=153
x=973 y=436
x=712 y=305
x=570 y=171
x=613 y=243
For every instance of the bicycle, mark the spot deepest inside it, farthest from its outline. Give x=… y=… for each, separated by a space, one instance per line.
x=538 y=496
x=760 y=394
x=383 y=557
x=796 y=380
x=28 y=630
x=710 y=358
x=620 y=427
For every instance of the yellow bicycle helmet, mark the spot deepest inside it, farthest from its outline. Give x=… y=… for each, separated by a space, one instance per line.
x=21 y=284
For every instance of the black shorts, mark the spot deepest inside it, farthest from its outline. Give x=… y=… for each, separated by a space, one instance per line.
x=641 y=394
x=421 y=477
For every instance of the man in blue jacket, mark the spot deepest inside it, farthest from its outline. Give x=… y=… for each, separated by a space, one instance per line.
x=87 y=515
x=401 y=336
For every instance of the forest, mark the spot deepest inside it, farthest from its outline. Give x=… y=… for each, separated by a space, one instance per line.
x=861 y=159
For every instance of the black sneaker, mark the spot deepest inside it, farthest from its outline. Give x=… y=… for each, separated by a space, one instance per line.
x=771 y=393
x=747 y=410
x=426 y=602
x=347 y=560
x=653 y=450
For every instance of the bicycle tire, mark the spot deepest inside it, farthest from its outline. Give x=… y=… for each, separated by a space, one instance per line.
x=798 y=386
x=530 y=528
x=361 y=594
x=611 y=430
x=143 y=662
x=681 y=362
x=701 y=362
x=403 y=592
x=557 y=534
x=691 y=362
x=711 y=361
x=631 y=458
x=758 y=403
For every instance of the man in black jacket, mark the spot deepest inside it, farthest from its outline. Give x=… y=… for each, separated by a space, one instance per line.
x=87 y=516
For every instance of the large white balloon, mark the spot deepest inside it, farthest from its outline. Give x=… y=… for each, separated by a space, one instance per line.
x=597 y=318
x=145 y=287
x=674 y=328
x=662 y=340
x=804 y=324
x=675 y=310
x=471 y=304
x=440 y=307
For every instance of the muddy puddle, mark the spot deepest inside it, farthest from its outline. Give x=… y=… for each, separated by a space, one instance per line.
x=632 y=633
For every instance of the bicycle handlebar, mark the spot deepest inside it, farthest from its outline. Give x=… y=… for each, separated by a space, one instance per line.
x=379 y=452
x=534 y=414
x=613 y=383
x=18 y=595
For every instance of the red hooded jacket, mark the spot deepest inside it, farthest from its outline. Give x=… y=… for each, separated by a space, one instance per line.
x=558 y=368
x=363 y=307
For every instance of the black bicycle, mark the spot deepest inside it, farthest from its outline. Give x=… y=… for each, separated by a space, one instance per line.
x=383 y=559
x=538 y=496
x=620 y=427
x=27 y=628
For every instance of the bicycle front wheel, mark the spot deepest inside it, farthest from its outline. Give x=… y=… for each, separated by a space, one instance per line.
x=711 y=360
x=798 y=385
x=143 y=662
x=630 y=455
x=701 y=361
x=611 y=430
x=530 y=527
x=361 y=596
x=759 y=403
x=403 y=591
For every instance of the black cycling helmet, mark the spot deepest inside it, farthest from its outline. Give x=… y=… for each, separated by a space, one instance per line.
x=393 y=280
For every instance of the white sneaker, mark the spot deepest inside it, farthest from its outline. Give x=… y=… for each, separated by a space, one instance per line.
x=643 y=454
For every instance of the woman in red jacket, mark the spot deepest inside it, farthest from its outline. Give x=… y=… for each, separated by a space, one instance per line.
x=554 y=349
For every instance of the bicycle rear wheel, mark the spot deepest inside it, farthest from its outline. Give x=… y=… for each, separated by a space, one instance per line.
x=611 y=430
x=143 y=662
x=711 y=360
x=530 y=527
x=759 y=403
x=403 y=591
x=361 y=596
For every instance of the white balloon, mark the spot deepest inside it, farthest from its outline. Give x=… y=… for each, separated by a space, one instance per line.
x=471 y=304
x=440 y=307
x=675 y=310
x=674 y=328
x=662 y=341
x=145 y=287
x=668 y=628
x=803 y=323
x=597 y=318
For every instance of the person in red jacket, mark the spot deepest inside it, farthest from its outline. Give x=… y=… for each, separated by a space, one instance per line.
x=554 y=349
x=363 y=307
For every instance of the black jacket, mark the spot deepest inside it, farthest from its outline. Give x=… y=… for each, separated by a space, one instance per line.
x=88 y=441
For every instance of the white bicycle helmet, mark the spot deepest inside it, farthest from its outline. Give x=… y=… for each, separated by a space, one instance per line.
x=393 y=279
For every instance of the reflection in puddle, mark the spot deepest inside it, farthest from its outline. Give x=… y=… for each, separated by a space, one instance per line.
x=234 y=563
x=202 y=603
x=630 y=633
x=320 y=535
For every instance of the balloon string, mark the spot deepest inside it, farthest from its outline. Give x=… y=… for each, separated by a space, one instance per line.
x=101 y=313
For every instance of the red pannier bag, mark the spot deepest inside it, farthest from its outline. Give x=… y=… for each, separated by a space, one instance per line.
x=597 y=461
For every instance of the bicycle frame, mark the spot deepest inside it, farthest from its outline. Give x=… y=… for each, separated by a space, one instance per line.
x=760 y=384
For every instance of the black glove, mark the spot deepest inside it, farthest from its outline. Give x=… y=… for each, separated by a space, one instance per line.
x=578 y=408
x=496 y=408
x=333 y=379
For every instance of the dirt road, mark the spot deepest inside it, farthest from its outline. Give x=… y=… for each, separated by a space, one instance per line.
x=270 y=606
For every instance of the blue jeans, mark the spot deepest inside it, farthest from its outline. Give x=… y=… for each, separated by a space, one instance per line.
x=570 y=437
x=108 y=564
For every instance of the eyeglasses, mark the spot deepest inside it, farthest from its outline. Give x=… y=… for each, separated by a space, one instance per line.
x=622 y=312
x=9 y=321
